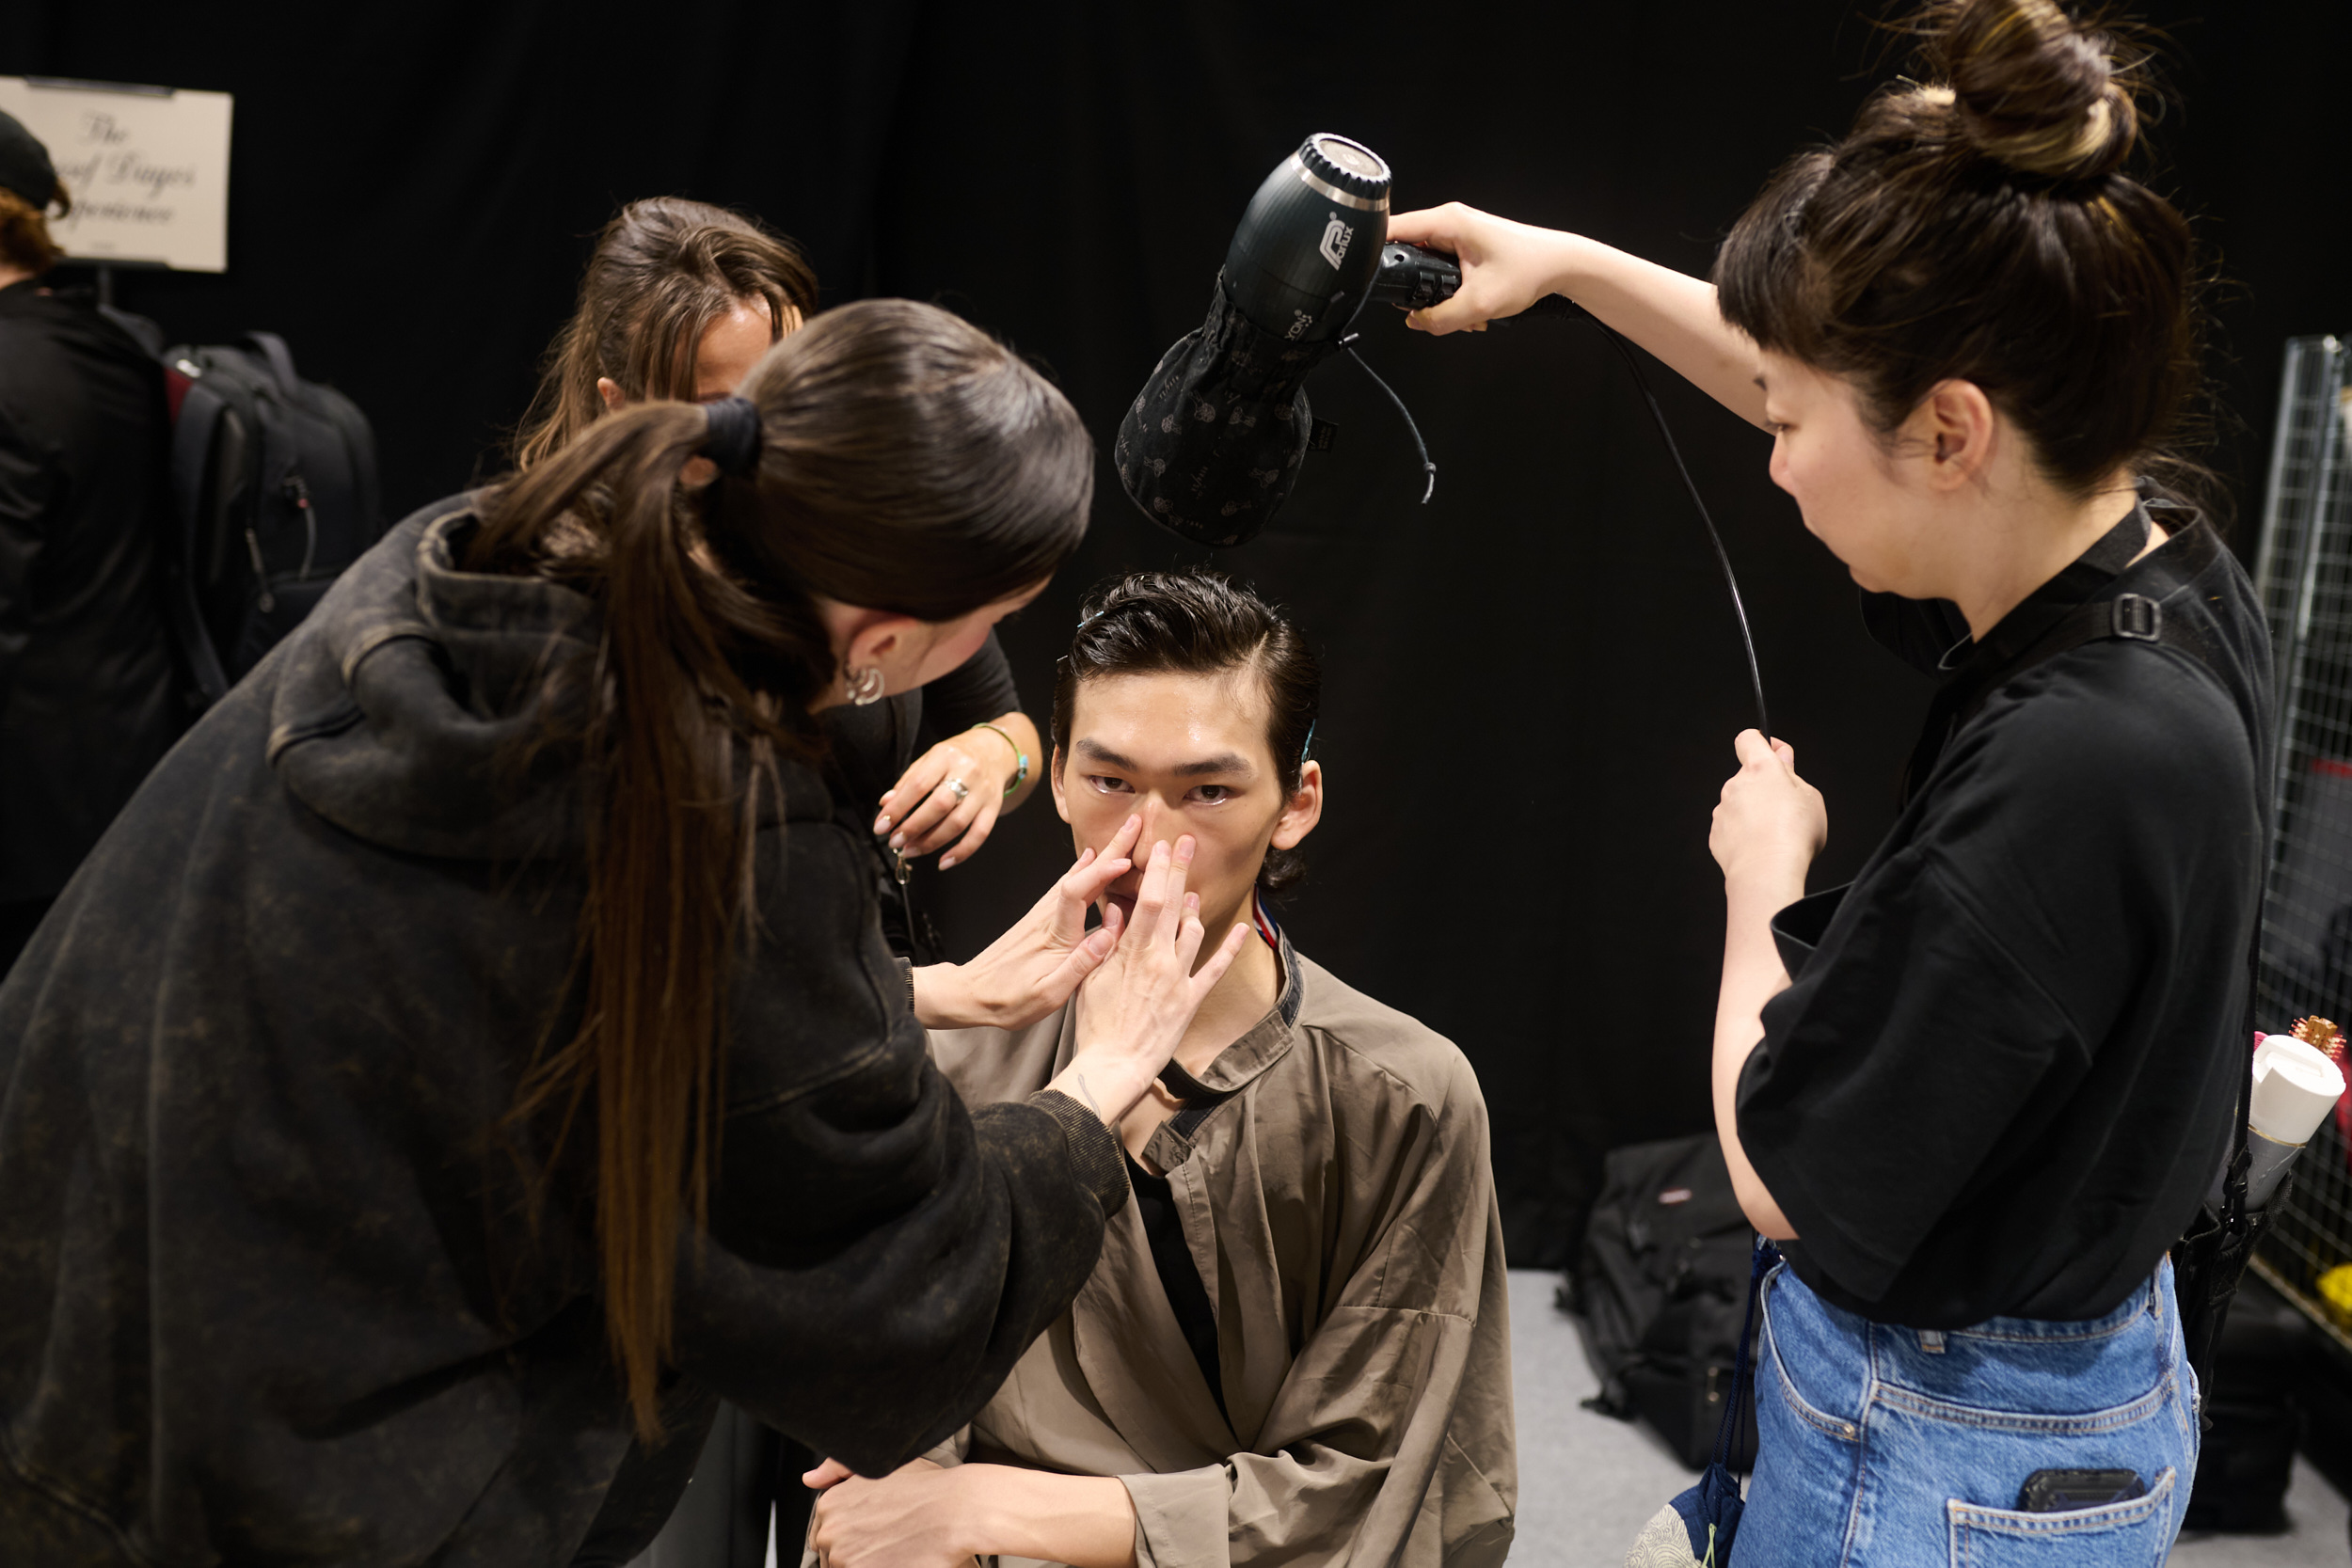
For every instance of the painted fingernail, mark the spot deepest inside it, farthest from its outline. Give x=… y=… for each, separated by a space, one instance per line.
x=947 y=861
x=897 y=841
x=881 y=824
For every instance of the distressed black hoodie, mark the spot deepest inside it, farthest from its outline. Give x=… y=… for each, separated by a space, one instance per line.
x=273 y=1290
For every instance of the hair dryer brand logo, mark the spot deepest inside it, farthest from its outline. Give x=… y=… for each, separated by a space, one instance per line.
x=1300 y=321
x=1335 y=237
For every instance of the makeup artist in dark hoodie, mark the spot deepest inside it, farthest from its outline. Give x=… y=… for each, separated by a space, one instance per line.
x=474 y=1050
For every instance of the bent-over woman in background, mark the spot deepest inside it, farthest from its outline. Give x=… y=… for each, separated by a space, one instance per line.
x=679 y=300
x=474 y=1050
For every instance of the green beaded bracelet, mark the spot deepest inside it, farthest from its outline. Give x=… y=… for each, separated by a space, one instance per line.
x=1021 y=775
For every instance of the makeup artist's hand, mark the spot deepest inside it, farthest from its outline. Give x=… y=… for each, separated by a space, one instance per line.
x=922 y=814
x=1133 y=1011
x=1506 y=266
x=1770 y=823
x=1032 y=968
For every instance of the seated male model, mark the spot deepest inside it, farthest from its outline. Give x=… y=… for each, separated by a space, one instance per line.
x=1295 y=1348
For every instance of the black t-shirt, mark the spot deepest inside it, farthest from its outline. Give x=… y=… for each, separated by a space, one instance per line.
x=1180 y=1276
x=2001 y=1079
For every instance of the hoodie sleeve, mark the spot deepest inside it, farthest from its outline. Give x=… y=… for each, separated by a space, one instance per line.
x=878 y=1256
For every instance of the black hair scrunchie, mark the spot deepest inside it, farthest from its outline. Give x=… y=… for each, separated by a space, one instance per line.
x=733 y=442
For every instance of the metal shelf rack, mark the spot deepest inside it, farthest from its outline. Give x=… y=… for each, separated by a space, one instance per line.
x=2303 y=574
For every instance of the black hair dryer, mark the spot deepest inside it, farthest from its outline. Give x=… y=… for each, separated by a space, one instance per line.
x=1307 y=248
x=1211 y=445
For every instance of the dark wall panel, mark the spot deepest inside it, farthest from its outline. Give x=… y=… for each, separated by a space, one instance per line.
x=1533 y=681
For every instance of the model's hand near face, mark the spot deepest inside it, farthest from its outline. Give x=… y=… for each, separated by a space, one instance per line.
x=1032 y=969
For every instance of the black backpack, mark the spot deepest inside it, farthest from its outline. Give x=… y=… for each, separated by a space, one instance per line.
x=1662 y=1285
x=272 y=494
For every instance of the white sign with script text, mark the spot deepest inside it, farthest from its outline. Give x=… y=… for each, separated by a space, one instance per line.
x=146 y=168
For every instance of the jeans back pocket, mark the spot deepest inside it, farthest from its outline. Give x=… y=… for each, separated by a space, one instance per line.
x=2132 y=1534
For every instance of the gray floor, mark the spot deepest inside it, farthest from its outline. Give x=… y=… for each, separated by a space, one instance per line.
x=1587 y=1484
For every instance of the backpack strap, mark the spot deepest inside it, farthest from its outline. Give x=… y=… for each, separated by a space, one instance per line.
x=2034 y=634
x=1744 y=1368
x=2125 y=617
x=191 y=438
x=281 y=360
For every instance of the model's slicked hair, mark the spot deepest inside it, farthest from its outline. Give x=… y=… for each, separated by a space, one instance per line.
x=1978 y=226
x=1201 y=623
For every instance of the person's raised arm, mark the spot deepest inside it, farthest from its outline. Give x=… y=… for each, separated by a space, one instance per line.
x=1508 y=266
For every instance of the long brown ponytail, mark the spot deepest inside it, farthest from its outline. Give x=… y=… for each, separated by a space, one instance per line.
x=908 y=463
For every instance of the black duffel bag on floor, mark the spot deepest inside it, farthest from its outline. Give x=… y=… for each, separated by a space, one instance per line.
x=1660 y=1287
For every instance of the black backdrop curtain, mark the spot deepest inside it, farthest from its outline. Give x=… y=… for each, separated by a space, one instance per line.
x=1533 y=682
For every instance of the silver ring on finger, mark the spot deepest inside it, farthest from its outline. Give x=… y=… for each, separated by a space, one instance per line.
x=958 y=788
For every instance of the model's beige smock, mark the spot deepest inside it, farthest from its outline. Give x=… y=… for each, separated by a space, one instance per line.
x=1337 y=1199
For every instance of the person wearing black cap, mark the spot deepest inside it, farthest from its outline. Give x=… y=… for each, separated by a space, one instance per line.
x=89 y=691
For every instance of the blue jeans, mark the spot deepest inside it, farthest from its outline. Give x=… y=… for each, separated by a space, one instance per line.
x=1882 y=1446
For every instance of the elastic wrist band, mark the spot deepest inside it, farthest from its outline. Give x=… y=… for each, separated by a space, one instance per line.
x=1021 y=775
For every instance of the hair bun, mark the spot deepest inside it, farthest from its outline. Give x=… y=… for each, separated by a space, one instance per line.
x=2034 y=90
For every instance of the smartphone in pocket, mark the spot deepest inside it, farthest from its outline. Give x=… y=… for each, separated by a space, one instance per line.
x=2063 y=1491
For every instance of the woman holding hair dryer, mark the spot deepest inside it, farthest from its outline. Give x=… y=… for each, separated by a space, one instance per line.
x=1979 y=1092
x=473 y=1052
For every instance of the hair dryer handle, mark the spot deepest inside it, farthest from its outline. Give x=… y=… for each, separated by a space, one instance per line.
x=1412 y=278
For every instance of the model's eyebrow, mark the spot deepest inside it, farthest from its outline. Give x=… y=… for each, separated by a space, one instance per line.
x=1224 y=762
x=1760 y=381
